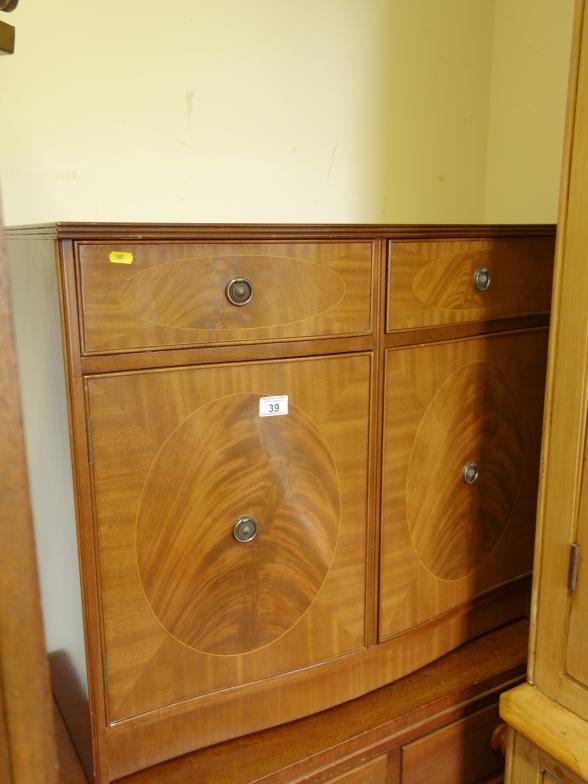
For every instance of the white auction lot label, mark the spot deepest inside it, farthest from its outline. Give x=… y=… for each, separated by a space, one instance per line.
x=276 y=405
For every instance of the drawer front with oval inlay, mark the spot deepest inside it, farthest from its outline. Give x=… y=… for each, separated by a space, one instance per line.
x=232 y=545
x=156 y=295
x=461 y=450
x=441 y=282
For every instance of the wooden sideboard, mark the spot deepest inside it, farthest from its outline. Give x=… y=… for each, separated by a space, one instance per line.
x=305 y=460
x=436 y=726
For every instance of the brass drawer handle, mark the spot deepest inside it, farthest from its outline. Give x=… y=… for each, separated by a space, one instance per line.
x=499 y=739
x=245 y=529
x=470 y=473
x=481 y=278
x=239 y=291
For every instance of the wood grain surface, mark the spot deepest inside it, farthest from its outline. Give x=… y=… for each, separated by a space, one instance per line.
x=547 y=741
x=70 y=768
x=460 y=753
x=374 y=772
x=474 y=417
x=444 y=541
x=173 y=295
x=208 y=590
x=575 y=660
x=292 y=597
x=558 y=665
x=193 y=638
x=432 y=282
x=550 y=714
x=179 y=728
x=341 y=740
x=27 y=742
x=215 y=232
x=552 y=728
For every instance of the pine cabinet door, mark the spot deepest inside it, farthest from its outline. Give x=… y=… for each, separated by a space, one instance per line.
x=559 y=641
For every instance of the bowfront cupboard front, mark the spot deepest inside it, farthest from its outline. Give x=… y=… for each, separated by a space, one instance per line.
x=305 y=460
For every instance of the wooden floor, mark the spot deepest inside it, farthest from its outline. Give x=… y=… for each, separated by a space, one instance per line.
x=70 y=770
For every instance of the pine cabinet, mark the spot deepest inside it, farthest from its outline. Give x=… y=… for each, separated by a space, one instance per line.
x=550 y=712
x=305 y=462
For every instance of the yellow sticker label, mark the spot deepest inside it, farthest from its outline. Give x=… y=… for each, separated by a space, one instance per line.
x=120 y=257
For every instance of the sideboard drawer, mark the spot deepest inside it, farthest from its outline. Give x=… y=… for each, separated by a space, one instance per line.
x=374 y=772
x=460 y=753
x=141 y=296
x=439 y=282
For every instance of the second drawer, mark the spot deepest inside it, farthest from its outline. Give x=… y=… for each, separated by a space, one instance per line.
x=440 y=282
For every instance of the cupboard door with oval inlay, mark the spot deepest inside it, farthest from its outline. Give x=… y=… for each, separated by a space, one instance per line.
x=147 y=295
x=462 y=429
x=439 y=282
x=231 y=543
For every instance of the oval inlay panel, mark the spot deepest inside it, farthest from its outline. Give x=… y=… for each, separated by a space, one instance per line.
x=474 y=416
x=190 y=294
x=208 y=590
x=446 y=283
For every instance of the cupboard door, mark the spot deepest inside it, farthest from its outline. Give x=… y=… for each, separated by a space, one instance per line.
x=557 y=662
x=462 y=429
x=575 y=670
x=231 y=545
x=452 y=281
x=529 y=764
x=137 y=296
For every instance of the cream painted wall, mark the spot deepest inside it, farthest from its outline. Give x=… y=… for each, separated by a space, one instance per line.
x=219 y=110
x=530 y=60
x=37 y=329
x=429 y=151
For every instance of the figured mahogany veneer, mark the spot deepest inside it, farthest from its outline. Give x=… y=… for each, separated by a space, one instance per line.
x=230 y=597
x=179 y=455
x=430 y=283
x=371 y=557
x=433 y=726
x=171 y=295
x=447 y=405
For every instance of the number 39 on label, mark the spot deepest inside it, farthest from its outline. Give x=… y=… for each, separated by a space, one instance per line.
x=277 y=405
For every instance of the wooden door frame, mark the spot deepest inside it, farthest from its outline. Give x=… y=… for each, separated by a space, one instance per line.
x=27 y=742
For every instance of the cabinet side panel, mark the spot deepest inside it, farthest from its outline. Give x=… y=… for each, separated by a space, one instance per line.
x=40 y=359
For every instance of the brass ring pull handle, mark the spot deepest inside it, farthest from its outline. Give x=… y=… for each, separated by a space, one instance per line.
x=481 y=278
x=8 y=5
x=239 y=291
x=470 y=473
x=245 y=529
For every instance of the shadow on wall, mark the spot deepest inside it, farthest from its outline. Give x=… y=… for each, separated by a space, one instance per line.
x=344 y=111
